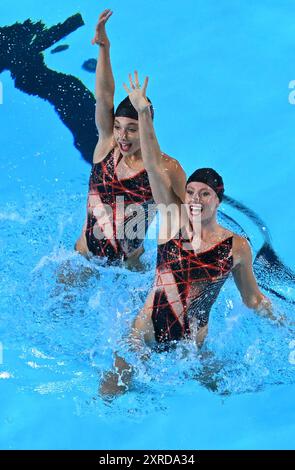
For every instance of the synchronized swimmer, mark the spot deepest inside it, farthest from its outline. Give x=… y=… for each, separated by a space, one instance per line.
x=194 y=258
x=118 y=170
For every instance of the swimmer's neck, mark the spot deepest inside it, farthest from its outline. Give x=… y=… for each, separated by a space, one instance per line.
x=135 y=157
x=208 y=228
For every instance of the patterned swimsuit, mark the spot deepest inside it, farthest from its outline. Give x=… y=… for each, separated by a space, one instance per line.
x=118 y=211
x=187 y=285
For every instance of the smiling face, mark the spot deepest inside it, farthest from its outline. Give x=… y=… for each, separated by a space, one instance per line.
x=200 y=198
x=126 y=134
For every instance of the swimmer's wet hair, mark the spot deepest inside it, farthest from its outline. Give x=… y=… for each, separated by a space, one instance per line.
x=209 y=177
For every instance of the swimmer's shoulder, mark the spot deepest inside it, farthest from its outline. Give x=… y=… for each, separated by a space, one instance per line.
x=239 y=241
x=170 y=162
x=241 y=249
x=103 y=149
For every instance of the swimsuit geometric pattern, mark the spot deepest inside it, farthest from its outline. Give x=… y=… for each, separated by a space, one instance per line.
x=118 y=211
x=187 y=285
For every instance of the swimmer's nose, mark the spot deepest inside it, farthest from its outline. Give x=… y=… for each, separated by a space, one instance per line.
x=123 y=133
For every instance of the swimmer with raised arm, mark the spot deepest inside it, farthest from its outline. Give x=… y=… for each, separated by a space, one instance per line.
x=195 y=255
x=118 y=173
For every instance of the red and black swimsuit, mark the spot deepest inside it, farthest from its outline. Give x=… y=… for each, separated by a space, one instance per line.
x=187 y=285
x=118 y=212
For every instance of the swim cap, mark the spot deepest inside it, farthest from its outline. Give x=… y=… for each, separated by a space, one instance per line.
x=209 y=177
x=126 y=109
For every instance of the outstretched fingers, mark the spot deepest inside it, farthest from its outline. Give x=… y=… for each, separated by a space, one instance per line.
x=126 y=89
x=136 y=79
x=145 y=84
x=135 y=89
x=131 y=81
x=137 y=84
x=104 y=16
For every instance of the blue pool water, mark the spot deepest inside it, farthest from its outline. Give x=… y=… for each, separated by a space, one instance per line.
x=219 y=75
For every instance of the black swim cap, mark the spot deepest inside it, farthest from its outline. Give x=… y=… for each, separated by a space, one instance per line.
x=209 y=177
x=126 y=109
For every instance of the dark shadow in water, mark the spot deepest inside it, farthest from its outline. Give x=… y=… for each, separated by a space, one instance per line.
x=268 y=266
x=22 y=47
x=61 y=48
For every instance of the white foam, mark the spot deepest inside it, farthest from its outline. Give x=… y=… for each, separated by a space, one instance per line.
x=5 y=375
x=57 y=256
x=34 y=365
x=39 y=354
x=13 y=216
x=94 y=301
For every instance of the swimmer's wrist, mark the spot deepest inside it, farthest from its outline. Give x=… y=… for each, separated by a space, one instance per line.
x=263 y=305
x=265 y=309
x=145 y=111
x=103 y=45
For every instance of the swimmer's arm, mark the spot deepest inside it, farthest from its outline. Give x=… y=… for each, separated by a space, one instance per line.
x=81 y=243
x=105 y=84
x=158 y=171
x=118 y=380
x=155 y=165
x=245 y=279
x=177 y=178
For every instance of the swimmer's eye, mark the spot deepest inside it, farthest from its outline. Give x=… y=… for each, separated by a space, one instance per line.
x=206 y=193
x=128 y=130
x=190 y=192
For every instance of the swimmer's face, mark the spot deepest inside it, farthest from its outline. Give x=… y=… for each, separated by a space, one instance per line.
x=126 y=135
x=200 y=199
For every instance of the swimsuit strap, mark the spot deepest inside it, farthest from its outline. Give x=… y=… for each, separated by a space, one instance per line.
x=227 y=241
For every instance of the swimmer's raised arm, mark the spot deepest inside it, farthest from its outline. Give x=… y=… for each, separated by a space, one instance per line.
x=245 y=279
x=104 y=93
x=105 y=85
x=164 y=189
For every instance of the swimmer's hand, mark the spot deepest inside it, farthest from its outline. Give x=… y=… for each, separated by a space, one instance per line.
x=265 y=309
x=116 y=382
x=137 y=95
x=111 y=386
x=100 y=36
